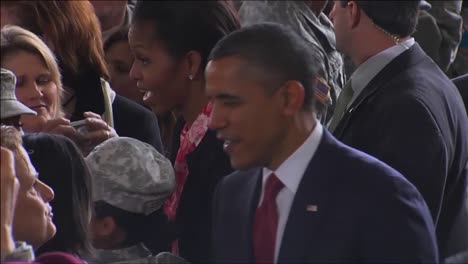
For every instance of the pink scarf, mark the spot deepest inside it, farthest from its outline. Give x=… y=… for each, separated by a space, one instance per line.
x=190 y=138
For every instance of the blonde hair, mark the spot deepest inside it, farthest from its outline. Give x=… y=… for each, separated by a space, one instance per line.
x=15 y=39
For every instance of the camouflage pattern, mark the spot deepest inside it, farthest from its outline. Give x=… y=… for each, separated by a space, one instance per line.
x=439 y=31
x=131 y=175
x=22 y=252
x=131 y=255
x=319 y=33
x=10 y=106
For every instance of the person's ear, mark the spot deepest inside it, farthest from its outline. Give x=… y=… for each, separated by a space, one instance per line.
x=104 y=227
x=354 y=13
x=293 y=94
x=193 y=62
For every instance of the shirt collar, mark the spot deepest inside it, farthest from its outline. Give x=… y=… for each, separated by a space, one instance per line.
x=291 y=171
x=370 y=68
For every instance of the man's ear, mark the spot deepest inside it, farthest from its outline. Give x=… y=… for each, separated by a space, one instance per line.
x=293 y=96
x=354 y=13
x=192 y=65
x=104 y=227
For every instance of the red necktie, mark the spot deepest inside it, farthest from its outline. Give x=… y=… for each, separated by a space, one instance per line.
x=266 y=222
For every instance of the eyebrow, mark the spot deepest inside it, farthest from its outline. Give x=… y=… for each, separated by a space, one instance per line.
x=224 y=96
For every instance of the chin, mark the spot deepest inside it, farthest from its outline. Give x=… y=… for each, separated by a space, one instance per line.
x=241 y=164
x=51 y=231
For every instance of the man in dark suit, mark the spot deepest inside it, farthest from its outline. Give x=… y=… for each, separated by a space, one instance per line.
x=301 y=196
x=400 y=107
x=462 y=84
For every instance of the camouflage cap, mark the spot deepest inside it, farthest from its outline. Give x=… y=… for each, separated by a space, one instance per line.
x=10 y=106
x=131 y=175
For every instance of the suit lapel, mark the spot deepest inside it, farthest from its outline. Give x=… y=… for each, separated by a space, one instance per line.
x=399 y=64
x=306 y=208
x=248 y=205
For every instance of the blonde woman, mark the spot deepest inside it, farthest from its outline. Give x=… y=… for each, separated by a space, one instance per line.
x=71 y=30
x=39 y=87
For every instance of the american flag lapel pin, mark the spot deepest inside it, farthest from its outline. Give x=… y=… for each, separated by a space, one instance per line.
x=312 y=208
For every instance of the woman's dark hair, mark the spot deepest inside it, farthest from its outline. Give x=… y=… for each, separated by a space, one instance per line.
x=151 y=230
x=117 y=36
x=184 y=26
x=61 y=166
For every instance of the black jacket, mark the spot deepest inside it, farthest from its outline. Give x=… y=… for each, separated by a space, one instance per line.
x=412 y=117
x=462 y=84
x=135 y=121
x=207 y=165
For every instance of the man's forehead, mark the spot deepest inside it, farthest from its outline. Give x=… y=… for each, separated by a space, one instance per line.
x=227 y=66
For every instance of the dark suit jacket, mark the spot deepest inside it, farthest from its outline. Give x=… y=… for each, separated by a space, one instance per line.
x=462 y=84
x=411 y=117
x=207 y=165
x=367 y=212
x=135 y=121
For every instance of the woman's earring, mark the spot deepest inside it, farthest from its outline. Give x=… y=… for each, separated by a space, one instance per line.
x=190 y=77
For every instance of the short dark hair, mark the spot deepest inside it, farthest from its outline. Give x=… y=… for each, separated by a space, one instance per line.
x=183 y=26
x=61 y=165
x=277 y=53
x=395 y=17
x=152 y=230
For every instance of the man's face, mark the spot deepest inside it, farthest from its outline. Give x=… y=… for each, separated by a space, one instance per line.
x=340 y=17
x=246 y=116
x=33 y=214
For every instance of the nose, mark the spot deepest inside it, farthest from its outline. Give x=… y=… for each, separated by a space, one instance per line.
x=217 y=120
x=135 y=72
x=45 y=191
x=35 y=91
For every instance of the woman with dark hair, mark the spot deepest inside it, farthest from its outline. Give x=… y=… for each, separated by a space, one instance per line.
x=171 y=41
x=71 y=30
x=61 y=166
x=120 y=60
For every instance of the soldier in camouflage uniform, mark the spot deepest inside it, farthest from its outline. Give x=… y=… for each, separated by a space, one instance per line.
x=317 y=30
x=439 y=31
x=132 y=178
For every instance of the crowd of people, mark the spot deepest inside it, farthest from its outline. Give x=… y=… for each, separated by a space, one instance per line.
x=234 y=131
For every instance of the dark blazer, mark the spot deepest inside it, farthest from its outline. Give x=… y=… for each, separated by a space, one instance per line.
x=207 y=165
x=412 y=117
x=367 y=212
x=462 y=84
x=135 y=121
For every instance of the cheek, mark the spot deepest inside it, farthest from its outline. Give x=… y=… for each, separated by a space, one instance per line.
x=29 y=216
x=51 y=95
x=22 y=95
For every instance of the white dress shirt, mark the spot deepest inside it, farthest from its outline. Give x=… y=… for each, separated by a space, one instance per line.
x=375 y=64
x=290 y=173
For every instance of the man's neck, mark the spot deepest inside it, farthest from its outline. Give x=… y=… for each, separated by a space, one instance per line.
x=373 y=46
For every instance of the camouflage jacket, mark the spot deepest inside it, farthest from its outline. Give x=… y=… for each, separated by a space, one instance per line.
x=134 y=254
x=318 y=31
